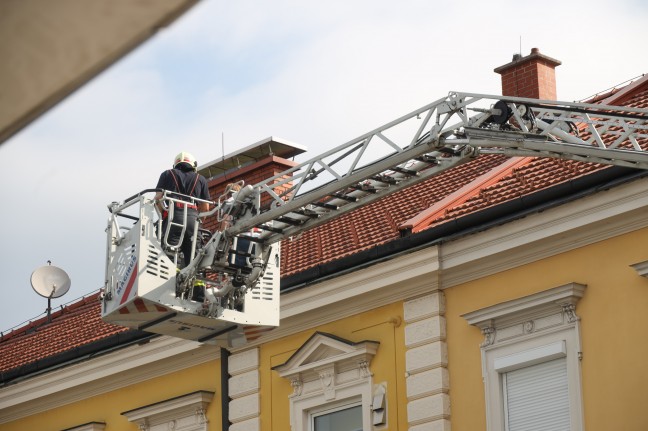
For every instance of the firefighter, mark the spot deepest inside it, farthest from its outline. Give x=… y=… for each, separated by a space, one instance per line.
x=183 y=179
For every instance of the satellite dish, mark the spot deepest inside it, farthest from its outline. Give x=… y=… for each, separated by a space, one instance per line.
x=50 y=281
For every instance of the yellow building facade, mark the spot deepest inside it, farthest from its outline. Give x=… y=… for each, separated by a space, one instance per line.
x=602 y=257
x=426 y=340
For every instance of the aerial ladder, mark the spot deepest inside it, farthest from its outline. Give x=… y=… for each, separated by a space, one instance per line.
x=239 y=263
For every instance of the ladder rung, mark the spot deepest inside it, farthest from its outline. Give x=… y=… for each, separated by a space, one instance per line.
x=307 y=213
x=404 y=171
x=448 y=151
x=385 y=179
x=364 y=189
x=345 y=197
x=291 y=221
x=270 y=228
x=426 y=158
x=325 y=205
x=250 y=238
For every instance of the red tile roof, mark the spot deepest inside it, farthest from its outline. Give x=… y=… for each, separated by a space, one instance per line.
x=75 y=324
x=423 y=219
x=536 y=175
x=378 y=223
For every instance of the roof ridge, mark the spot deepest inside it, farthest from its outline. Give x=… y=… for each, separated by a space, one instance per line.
x=624 y=91
x=424 y=218
x=609 y=92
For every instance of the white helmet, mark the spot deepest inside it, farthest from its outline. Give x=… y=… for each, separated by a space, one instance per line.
x=184 y=157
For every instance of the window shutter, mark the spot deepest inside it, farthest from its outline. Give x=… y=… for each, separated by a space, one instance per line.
x=536 y=397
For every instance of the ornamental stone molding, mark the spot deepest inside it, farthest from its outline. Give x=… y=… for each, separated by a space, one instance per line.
x=532 y=314
x=570 y=312
x=526 y=331
x=327 y=369
x=183 y=413
x=489 y=336
x=641 y=268
x=325 y=362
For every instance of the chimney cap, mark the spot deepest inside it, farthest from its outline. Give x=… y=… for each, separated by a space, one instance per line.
x=534 y=55
x=270 y=146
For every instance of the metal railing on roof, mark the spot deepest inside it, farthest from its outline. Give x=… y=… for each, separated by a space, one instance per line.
x=40 y=320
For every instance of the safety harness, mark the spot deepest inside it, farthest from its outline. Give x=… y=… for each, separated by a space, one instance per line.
x=180 y=187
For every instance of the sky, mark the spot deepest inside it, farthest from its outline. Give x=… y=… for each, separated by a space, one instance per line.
x=229 y=74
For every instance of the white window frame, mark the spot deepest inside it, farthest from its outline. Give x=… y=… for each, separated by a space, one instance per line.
x=332 y=408
x=326 y=372
x=303 y=407
x=528 y=331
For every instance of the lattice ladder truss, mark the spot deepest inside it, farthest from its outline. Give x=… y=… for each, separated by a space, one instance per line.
x=444 y=135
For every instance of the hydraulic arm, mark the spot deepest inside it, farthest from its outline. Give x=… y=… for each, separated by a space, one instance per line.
x=415 y=147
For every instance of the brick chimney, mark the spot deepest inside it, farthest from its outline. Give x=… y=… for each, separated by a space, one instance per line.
x=252 y=164
x=533 y=76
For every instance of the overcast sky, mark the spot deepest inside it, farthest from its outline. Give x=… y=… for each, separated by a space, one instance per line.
x=315 y=73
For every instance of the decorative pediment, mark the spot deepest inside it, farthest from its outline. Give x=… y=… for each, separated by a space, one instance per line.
x=186 y=413
x=322 y=349
x=542 y=311
x=325 y=362
x=321 y=353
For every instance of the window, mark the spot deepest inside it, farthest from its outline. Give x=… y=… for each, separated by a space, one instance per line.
x=333 y=386
x=345 y=418
x=537 y=397
x=531 y=361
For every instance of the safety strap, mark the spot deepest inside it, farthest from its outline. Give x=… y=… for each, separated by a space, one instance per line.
x=180 y=186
